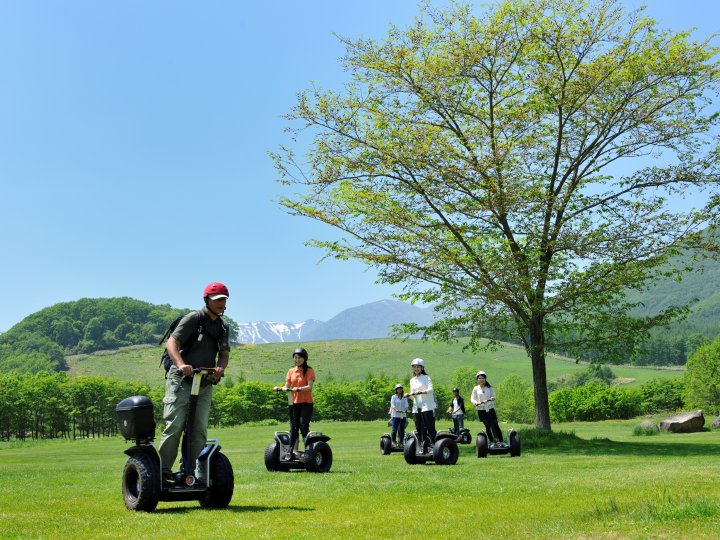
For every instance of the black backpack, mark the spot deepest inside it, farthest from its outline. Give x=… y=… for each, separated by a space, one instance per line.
x=165 y=360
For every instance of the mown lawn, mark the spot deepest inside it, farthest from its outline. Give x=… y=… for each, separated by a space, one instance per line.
x=596 y=480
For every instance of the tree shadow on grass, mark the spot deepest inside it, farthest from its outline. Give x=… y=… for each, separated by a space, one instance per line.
x=250 y=509
x=560 y=442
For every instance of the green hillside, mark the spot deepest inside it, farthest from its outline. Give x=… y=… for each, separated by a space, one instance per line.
x=351 y=360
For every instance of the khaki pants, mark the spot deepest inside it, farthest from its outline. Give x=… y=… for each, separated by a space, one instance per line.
x=176 y=407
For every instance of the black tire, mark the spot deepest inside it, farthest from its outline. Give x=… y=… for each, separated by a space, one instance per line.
x=409 y=451
x=445 y=452
x=222 y=483
x=272 y=457
x=318 y=458
x=481 y=445
x=141 y=483
x=514 y=444
x=465 y=438
x=385 y=445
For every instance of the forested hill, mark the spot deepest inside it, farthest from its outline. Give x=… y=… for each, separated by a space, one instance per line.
x=42 y=340
x=674 y=345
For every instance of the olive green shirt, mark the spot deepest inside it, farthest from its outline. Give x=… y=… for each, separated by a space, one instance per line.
x=201 y=350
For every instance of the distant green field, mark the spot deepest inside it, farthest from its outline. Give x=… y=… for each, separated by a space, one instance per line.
x=600 y=482
x=352 y=360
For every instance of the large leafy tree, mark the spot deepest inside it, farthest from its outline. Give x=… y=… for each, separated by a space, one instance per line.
x=476 y=159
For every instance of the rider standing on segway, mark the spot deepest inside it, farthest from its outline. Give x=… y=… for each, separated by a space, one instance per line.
x=423 y=396
x=299 y=382
x=483 y=397
x=200 y=338
x=398 y=415
x=457 y=410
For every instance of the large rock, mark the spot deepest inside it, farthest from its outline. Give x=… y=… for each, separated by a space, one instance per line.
x=688 y=422
x=716 y=423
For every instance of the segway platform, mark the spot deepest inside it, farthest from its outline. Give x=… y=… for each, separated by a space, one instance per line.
x=317 y=456
x=444 y=451
x=386 y=445
x=483 y=446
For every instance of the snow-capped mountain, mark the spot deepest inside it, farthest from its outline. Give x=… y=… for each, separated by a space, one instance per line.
x=363 y=322
x=273 y=332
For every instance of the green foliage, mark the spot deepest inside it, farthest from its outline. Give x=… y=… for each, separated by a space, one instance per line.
x=515 y=400
x=645 y=431
x=662 y=395
x=593 y=373
x=42 y=340
x=702 y=387
x=463 y=378
x=469 y=159
x=595 y=401
x=51 y=405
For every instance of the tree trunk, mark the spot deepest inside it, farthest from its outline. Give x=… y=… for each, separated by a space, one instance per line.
x=537 y=358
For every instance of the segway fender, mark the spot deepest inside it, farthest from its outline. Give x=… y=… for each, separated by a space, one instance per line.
x=147 y=449
x=315 y=437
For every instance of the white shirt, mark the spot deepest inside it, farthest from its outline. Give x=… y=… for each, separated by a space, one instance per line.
x=480 y=394
x=398 y=406
x=456 y=410
x=422 y=402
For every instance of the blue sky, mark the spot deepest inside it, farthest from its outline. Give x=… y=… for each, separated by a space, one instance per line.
x=133 y=150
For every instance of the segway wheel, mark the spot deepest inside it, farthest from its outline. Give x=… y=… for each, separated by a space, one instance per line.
x=318 y=458
x=465 y=438
x=481 y=445
x=222 y=483
x=141 y=483
x=409 y=451
x=385 y=445
x=272 y=457
x=514 y=444
x=445 y=452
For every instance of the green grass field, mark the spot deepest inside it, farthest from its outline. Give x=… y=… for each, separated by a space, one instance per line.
x=353 y=360
x=597 y=480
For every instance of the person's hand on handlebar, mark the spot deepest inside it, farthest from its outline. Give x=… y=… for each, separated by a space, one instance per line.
x=187 y=370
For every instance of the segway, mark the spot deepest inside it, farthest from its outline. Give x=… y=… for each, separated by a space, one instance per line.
x=386 y=445
x=210 y=481
x=280 y=456
x=443 y=450
x=463 y=436
x=317 y=456
x=483 y=446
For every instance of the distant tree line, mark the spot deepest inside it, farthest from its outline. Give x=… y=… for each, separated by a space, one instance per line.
x=52 y=405
x=41 y=341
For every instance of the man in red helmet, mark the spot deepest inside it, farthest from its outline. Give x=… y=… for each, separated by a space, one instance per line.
x=199 y=340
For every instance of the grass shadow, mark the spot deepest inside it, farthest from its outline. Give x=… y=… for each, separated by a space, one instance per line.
x=561 y=442
x=233 y=508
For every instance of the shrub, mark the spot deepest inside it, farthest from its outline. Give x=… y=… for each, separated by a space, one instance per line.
x=515 y=400
x=595 y=401
x=661 y=395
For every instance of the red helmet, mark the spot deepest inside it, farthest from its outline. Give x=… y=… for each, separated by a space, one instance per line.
x=215 y=290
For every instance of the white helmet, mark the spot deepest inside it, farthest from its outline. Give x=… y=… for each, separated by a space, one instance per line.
x=418 y=362
x=400 y=386
x=481 y=373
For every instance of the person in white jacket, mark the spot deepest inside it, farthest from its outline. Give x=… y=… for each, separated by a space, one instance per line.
x=483 y=397
x=423 y=396
x=398 y=415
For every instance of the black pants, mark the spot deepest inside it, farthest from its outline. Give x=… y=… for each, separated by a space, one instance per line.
x=300 y=415
x=425 y=426
x=489 y=418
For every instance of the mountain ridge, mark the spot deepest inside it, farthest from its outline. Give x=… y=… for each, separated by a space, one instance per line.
x=367 y=321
